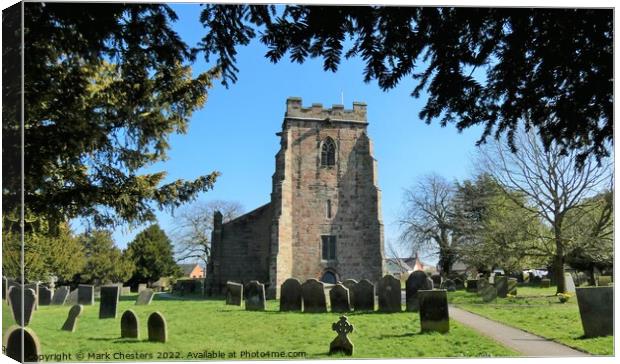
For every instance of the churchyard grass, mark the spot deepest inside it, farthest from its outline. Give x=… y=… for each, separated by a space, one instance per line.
x=538 y=311
x=196 y=325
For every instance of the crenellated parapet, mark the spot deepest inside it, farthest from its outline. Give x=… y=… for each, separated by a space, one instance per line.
x=295 y=109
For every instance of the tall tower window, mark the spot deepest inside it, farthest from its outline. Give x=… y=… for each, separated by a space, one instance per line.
x=328 y=153
x=328 y=247
x=328 y=209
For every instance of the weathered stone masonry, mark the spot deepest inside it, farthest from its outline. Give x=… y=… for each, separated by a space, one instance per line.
x=311 y=197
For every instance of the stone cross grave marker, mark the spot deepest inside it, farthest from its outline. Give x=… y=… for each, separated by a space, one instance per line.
x=416 y=281
x=434 y=311
x=389 y=294
x=339 y=299
x=130 y=325
x=71 y=322
x=30 y=298
x=350 y=283
x=145 y=297
x=342 y=344
x=86 y=294
x=13 y=344
x=109 y=301
x=364 y=293
x=45 y=296
x=157 y=327
x=488 y=293
x=290 y=295
x=254 y=293
x=596 y=309
x=234 y=293
x=313 y=296
x=60 y=295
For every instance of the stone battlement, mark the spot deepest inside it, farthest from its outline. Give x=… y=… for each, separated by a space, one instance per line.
x=294 y=109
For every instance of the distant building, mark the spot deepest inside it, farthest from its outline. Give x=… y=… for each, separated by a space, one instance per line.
x=397 y=266
x=417 y=264
x=193 y=270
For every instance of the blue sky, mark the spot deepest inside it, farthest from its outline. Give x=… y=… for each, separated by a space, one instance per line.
x=235 y=132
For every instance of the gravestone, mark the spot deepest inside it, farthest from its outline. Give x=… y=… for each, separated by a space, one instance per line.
x=448 y=285
x=72 y=298
x=157 y=327
x=437 y=279
x=545 y=283
x=350 y=283
x=86 y=294
x=482 y=284
x=472 y=285
x=364 y=293
x=71 y=321
x=512 y=286
x=313 y=296
x=342 y=344
x=125 y=290
x=488 y=293
x=388 y=291
x=234 y=293
x=290 y=295
x=416 y=281
x=434 y=311
x=501 y=285
x=45 y=296
x=339 y=299
x=604 y=281
x=431 y=283
x=141 y=287
x=35 y=288
x=145 y=297
x=596 y=307
x=569 y=284
x=5 y=287
x=109 y=301
x=130 y=325
x=15 y=296
x=254 y=294
x=60 y=295
x=13 y=344
x=458 y=284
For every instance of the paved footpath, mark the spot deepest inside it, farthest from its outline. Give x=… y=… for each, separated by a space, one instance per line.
x=515 y=339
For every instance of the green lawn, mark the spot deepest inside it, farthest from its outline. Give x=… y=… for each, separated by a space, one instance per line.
x=195 y=326
x=538 y=311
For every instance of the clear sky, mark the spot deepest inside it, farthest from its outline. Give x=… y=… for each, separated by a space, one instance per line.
x=235 y=132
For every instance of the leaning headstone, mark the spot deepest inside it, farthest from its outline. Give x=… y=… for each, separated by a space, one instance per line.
x=60 y=295
x=545 y=283
x=290 y=295
x=145 y=297
x=512 y=286
x=313 y=296
x=437 y=279
x=596 y=308
x=157 y=327
x=458 y=284
x=488 y=293
x=501 y=285
x=434 y=311
x=339 y=299
x=569 y=284
x=45 y=296
x=109 y=301
x=72 y=299
x=15 y=296
x=417 y=281
x=472 y=285
x=130 y=325
x=448 y=285
x=604 y=281
x=342 y=344
x=141 y=287
x=364 y=293
x=71 y=321
x=350 y=283
x=14 y=344
x=388 y=291
x=86 y=294
x=254 y=294
x=234 y=293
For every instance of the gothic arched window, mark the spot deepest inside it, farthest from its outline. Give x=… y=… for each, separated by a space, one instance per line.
x=328 y=153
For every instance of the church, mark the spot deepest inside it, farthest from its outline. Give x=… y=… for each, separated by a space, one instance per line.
x=323 y=220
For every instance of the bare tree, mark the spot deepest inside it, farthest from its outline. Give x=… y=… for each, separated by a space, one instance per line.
x=193 y=227
x=553 y=184
x=426 y=221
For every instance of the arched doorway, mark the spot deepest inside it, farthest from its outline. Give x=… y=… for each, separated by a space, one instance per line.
x=329 y=277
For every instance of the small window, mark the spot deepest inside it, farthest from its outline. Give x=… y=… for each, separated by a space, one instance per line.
x=328 y=153
x=329 y=277
x=328 y=209
x=328 y=247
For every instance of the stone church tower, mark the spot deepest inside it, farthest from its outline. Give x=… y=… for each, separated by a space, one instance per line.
x=324 y=218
